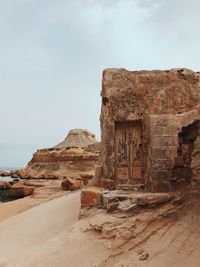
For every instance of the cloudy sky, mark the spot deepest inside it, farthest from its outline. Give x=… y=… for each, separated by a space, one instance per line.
x=52 y=53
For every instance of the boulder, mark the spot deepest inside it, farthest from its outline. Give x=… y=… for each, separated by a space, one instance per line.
x=86 y=177
x=71 y=184
x=20 y=190
x=4 y=185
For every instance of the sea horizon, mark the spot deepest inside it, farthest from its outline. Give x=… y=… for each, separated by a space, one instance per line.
x=6 y=168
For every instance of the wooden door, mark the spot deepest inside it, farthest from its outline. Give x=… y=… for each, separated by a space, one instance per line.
x=128 y=152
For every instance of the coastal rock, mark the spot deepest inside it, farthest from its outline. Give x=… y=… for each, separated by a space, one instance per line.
x=77 y=156
x=20 y=190
x=77 y=138
x=71 y=184
x=4 y=185
x=22 y=173
x=4 y=173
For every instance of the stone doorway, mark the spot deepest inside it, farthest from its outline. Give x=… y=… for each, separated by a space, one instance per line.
x=128 y=152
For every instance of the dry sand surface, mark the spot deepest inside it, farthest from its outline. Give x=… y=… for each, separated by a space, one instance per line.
x=44 y=191
x=50 y=235
x=25 y=235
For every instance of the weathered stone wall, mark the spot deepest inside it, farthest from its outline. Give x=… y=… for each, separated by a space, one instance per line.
x=164 y=102
x=195 y=157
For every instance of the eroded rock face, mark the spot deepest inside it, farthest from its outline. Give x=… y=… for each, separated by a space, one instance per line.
x=142 y=115
x=75 y=158
x=13 y=190
x=60 y=163
x=20 y=190
x=77 y=138
x=4 y=185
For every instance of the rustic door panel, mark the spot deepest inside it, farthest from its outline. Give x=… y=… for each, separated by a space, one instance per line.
x=128 y=151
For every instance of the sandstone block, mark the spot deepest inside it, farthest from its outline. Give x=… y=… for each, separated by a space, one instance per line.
x=90 y=196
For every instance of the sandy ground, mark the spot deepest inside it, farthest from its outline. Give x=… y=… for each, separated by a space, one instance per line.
x=26 y=234
x=175 y=244
x=44 y=191
x=50 y=235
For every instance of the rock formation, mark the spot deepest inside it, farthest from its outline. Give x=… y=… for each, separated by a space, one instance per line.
x=13 y=190
x=77 y=138
x=74 y=158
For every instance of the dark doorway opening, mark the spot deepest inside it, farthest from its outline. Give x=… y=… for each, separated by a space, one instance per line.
x=186 y=139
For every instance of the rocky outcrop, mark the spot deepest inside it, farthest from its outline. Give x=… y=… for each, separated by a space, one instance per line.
x=4 y=185
x=20 y=190
x=60 y=163
x=77 y=138
x=4 y=173
x=73 y=159
x=13 y=190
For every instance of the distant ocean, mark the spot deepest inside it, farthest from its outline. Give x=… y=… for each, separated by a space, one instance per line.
x=7 y=178
x=9 y=168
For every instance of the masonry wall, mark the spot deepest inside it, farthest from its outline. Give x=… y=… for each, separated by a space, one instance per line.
x=164 y=101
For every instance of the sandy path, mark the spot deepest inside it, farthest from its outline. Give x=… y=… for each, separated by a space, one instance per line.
x=49 y=235
x=25 y=234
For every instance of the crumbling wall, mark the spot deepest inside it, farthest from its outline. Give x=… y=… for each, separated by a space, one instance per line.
x=165 y=102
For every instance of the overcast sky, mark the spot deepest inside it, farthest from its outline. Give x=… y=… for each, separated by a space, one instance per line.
x=53 y=52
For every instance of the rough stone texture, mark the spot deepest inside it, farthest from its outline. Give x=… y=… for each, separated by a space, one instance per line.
x=130 y=201
x=20 y=190
x=164 y=103
x=67 y=160
x=13 y=190
x=90 y=196
x=71 y=184
x=4 y=185
x=77 y=138
x=63 y=162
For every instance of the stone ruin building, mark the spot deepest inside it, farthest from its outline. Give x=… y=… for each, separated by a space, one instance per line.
x=150 y=127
